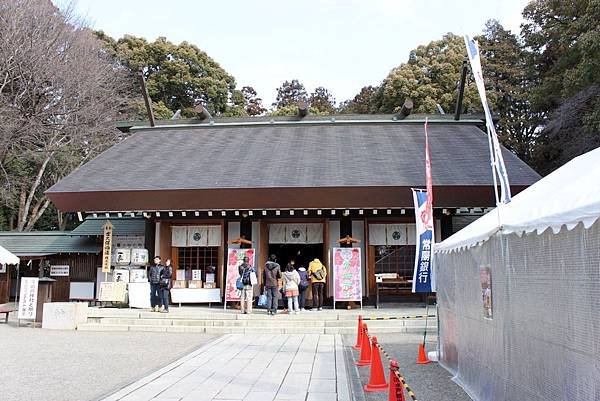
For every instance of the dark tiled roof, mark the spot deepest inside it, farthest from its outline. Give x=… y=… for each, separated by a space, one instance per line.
x=47 y=243
x=325 y=154
x=121 y=226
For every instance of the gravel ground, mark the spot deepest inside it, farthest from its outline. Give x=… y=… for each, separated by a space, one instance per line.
x=429 y=382
x=53 y=365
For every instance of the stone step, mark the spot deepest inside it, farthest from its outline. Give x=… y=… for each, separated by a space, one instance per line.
x=270 y=322
x=282 y=329
x=346 y=316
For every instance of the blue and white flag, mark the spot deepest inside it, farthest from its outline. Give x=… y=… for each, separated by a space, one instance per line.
x=498 y=169
x=424 y=274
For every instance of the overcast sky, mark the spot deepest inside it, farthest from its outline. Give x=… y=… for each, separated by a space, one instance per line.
x=342 y=45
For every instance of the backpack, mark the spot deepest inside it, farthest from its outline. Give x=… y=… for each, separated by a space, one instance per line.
x=303 y=281
x=318 y=274
x=246 y=276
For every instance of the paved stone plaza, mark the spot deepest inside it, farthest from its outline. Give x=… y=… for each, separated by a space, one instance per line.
x=251 y=368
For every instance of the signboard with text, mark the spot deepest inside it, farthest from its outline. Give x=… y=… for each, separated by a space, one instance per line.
x=347 y=274
x=28 y=298
x=107 y=247
x=59 y=271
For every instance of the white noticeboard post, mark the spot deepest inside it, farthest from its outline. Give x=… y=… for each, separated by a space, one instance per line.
x=139 y=295
x=28 y=299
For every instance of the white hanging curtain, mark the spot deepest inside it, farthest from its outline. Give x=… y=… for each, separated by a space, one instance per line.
x=179 y=236
x=396 y=234
x=214 y=236
x=295 y=234
x=314 y=233
x=377 y=235
x=276 y=233
x=197 y=236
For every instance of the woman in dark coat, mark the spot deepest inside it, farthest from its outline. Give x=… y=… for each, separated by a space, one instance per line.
x=166 y=282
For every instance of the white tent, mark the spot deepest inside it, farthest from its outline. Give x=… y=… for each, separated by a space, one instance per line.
x=519 y=302
x=7 y=258
x=568 y=196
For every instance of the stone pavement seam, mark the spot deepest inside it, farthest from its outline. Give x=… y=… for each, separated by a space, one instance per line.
x=123 y=392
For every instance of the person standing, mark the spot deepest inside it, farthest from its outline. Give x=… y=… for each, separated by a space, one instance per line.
x=247 y=293
x=291 y=279
x=302 y=287
x=154 y=278
x=165 y=284
x=271 y=274
x=318 y=277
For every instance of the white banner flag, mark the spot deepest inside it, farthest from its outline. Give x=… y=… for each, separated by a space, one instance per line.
x=495 y=149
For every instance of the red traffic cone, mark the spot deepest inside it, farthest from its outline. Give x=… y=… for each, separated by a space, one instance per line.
x=422 y=359
x=365 y=349
x=396 y=388
x=359 y=333
x=377 y=380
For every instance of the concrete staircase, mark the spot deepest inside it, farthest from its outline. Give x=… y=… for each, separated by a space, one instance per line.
x=215 y=321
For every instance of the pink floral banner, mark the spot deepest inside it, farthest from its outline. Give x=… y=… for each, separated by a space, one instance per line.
x=234 y=259
x=347 y=274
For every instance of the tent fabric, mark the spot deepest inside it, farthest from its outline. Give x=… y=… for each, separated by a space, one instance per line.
x=7 y=258
x=566 y=197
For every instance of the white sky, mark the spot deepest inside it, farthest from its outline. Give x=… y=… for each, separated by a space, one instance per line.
x=342 y=45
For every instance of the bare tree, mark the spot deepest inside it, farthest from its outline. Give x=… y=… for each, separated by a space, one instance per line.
x=58 y=98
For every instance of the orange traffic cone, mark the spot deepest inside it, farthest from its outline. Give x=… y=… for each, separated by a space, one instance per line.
x=377 y=380
x=359 y=333
x=422 y=359
x=396 y=388
x=365 y=349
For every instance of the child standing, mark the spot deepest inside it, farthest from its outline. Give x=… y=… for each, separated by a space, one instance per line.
x=291 y=279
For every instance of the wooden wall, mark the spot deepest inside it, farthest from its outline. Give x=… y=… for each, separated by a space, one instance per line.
x=82 y=267
x=5 y=285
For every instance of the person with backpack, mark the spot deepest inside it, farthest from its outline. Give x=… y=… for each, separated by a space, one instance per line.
x=302 y=287
x=154 y=278
x=291 y=279
x=247 y=293
x=318 y=275
x=271 y=274
x=165 y=284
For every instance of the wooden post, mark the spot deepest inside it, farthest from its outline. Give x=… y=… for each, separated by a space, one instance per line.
x=461 y=91
x=147 y=100
x=302 y=109
x=201 y=111
x=406 y=109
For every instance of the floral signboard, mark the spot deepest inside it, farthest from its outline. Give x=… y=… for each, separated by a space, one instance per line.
x=347 y=274
x=234 y=259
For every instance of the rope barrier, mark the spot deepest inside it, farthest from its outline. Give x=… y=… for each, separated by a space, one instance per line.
x=395 y=370
x=397 y=317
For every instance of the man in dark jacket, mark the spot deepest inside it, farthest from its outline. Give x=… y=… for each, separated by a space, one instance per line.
x=154 y=275
x=271 y=274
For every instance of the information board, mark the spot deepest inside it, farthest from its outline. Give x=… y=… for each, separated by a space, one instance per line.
x=28 y=296
x=234 y=259
x=113 y=292
x=347 y=274
x=59 y=270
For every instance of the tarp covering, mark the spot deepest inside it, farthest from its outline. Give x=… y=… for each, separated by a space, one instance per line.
x=568 y=196
x=519 y=305
x=543 y=339
x=7 y=258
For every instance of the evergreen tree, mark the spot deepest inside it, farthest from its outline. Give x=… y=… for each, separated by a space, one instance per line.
x=289 y=94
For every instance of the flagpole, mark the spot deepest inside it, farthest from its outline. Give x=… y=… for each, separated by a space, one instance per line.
x=426 y=315
x=493 y=165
